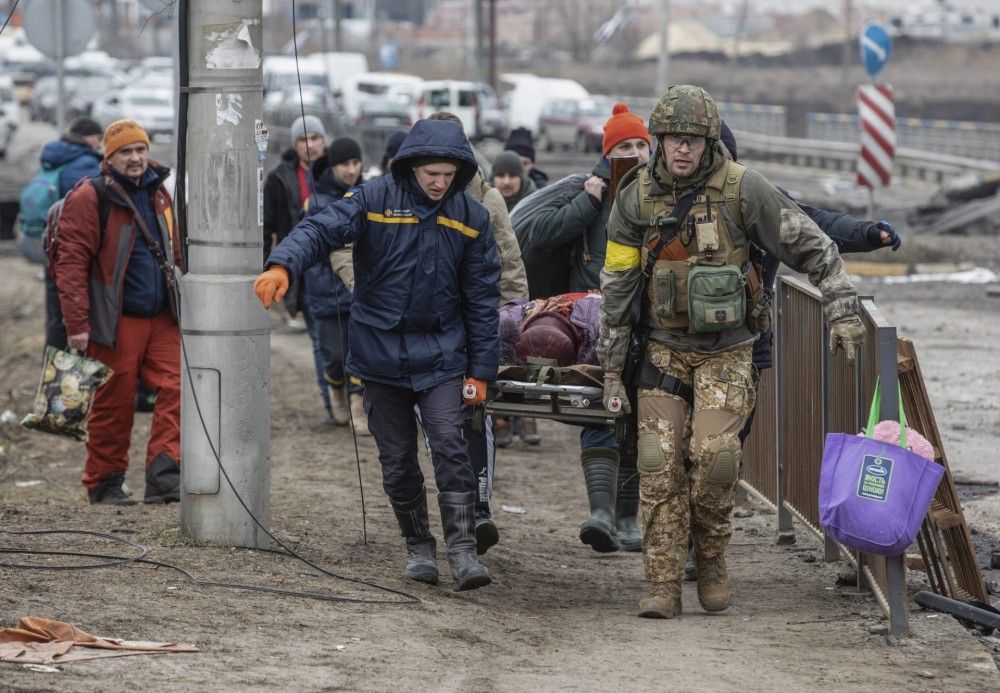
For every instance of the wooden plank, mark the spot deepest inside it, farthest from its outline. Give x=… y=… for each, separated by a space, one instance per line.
x=949 y=553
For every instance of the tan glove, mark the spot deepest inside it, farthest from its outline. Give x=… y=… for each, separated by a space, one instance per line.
x=615 y=388
x=847 y=333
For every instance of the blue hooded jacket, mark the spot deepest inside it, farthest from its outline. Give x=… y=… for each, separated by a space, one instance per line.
x=79 y=159
x=325 y=294
x=426 y=272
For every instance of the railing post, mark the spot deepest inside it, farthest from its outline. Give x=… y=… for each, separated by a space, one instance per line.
x=889 y=411
x=786 y=533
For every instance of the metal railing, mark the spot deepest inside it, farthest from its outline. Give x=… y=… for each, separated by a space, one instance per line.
x=807 y=394
x=910 y=164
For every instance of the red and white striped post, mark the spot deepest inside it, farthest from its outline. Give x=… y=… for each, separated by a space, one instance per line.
x=877 y=116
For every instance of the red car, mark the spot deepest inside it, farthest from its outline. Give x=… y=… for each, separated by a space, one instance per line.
x=576 y=124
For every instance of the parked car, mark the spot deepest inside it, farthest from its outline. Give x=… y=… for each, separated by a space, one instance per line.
x=42 y=100
x=529 y=95
x=378 y=120
x=576 y=124
x=281 y=108
x=153 y=108
x=280 y=73
x=10 y=113
x=379 y=87
x=474 y=102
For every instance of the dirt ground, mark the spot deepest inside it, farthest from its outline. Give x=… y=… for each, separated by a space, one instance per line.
x=558 y=616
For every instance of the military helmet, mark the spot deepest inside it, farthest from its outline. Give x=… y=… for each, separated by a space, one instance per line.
x=685 y=110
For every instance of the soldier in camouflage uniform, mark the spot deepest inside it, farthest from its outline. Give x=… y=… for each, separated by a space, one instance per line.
x=696 y=382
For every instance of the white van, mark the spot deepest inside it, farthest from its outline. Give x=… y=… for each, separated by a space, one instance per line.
x=474 y=102
x=375 y=88
x=280 y=72
x=530 y=94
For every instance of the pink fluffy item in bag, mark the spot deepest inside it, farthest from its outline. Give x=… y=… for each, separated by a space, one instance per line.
x=888 y=432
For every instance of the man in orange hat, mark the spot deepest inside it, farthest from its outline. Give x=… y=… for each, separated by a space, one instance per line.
x=114 y=265
x=612 y=483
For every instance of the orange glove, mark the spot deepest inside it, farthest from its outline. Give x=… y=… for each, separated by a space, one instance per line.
x=479 y=385
x=271 y=285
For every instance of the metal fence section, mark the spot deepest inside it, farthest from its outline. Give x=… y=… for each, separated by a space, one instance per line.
x=759 y=118
x=813 y=394
x=972 y=139
x=758 y=470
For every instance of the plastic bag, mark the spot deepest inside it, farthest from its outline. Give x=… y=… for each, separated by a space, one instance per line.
x=873 y=495
x=66 y=393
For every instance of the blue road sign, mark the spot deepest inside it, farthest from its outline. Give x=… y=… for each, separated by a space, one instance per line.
x=876 y=47
x=388 y=56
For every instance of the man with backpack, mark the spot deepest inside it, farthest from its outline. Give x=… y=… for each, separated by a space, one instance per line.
x=569 y=230
x=114 y=253
x=74 y=156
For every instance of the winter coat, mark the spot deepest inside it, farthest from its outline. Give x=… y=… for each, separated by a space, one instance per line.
x=426 y=272
x=91 y=264
x=582 y=222
x=76 y=156
x=282 y=208
x=513 y=279
x=539 y=177
x=324 y=292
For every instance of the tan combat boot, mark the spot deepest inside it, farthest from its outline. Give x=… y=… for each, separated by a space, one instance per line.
x=714 y=589
x=338 y=404
x=664 y=600
x=358 y=416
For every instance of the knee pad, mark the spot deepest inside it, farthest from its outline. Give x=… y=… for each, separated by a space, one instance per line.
x=722 y=456
x=651 y=457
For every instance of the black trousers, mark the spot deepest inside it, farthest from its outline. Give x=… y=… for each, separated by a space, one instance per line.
x=393 y=424
x=55 y=330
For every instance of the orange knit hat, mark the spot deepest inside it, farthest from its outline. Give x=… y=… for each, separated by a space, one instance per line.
x=121 y=133
x=622 y=125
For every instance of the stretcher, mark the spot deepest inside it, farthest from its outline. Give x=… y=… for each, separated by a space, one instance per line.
x=570 y=394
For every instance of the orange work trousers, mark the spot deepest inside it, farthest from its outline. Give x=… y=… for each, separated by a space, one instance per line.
x=147 y=348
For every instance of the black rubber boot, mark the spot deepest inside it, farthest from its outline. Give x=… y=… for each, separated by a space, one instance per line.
x=458 y=520
x=627 y=505
x=421 y=547
x=110 y=492
x=487 y=534
x=600 y=472
x=163 y=480
x=503 y=431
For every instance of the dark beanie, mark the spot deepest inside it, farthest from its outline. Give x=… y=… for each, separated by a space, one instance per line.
x=342 y=149
x=86 y=127
x=729 y=139
x=519 y=140
x=507 y=161
x=392 y=144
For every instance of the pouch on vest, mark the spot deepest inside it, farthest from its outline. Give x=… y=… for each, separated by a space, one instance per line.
x=716 y=298
x=664 y=283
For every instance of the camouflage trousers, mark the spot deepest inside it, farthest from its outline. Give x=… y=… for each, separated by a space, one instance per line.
x=677 y=503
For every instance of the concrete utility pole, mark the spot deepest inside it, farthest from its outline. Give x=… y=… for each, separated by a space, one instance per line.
x=493 y=45
x=663 y=63
x=225 y=330
x=477 y=9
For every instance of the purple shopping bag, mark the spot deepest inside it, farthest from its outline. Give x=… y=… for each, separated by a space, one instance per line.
x=873 y=495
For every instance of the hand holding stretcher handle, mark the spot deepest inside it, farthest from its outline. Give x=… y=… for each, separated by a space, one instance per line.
x=474 y=391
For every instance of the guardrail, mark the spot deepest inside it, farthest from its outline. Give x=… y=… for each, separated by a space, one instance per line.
x=910 y=164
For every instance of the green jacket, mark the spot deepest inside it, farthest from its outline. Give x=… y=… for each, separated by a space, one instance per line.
x=770 y=219
x=582 y=222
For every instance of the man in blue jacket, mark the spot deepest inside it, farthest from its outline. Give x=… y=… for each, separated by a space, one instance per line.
x=423 y=317
x=327 y=299
x=77 y=155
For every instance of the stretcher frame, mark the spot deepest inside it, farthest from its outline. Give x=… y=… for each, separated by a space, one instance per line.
x=545 y=397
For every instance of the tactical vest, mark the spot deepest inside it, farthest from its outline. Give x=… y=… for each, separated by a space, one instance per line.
x=716 y=245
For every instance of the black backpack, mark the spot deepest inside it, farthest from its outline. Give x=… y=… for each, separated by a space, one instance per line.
x=548 y=269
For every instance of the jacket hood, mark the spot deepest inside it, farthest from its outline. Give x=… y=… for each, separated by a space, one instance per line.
x=289 y=155
x=436 y=138
x=62 y=152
